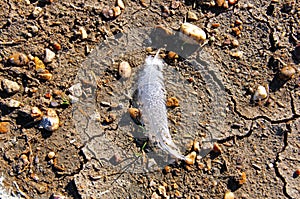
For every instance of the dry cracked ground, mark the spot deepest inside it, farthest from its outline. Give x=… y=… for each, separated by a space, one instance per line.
x=253 y=52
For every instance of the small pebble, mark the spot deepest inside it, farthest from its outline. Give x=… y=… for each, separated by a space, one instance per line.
x=175 y=186
x=208 y=164
x=220 y=2
x=107 y=12
x=83 y=33
x=117 y=11
x=178 y=194
x=49 y=55
x=39 y=64
x=18 y=59
x=237 y=54
x=215 y=25
x=152 y=183
x=124 y=69
x=134 y=113
x=243 y=178
x=270 y=165
x=54 y=104
x=172 y=102
x=235 y=43
x=24 y=159
x=237 y=30
x=44 y=74
x=115 y=159
x=201 y=165
x=287 y=73
x=155 y=196
x=217 y=148
x=111 y=117
x=212 y=4
x=4 y=127
x=260 y=93
x=193 y=31
x=36 y=12
x=50 y=121
x=121 y=4
x=36 y=113
x=13 y=103
x=196 y=146
x=172 y=55
x=190 y=158
x=30 y=57
x=225 y=5
x=175 y=4
x=34 y=29
x=192 y=16
x=232 y=2
x=167 y=169
x=162 y=191
x=10 y=87
x=57 y=46
x=229 y=195
x=51 y=155
x=48 y=96
x=238 y=22
x=297 y=172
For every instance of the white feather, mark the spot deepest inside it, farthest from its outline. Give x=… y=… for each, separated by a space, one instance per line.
x=152 y=98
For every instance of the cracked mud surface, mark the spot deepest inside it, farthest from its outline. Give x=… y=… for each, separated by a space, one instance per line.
x=261 y=140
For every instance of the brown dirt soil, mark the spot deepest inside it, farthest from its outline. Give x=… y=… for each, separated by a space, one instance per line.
x=260 y=142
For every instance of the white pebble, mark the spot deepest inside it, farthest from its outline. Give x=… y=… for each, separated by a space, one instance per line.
x=124 y=69
x=237 y=54
x=120 y=3
x=196 y=146
x=49 y=55
x=193 y=31
x=190 y=158
x=51 y=155
x=34 y=29
x=13 y=103
x=10 y=86
x=260 y=93
x=229 y=195
x=27 y=2
x=83 y=33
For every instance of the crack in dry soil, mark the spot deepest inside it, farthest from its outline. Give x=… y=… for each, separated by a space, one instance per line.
x=285 y=120
x=285 y=140
x=276 y=167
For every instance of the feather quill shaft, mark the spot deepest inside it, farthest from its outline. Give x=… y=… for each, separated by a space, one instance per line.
x=152 y=98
